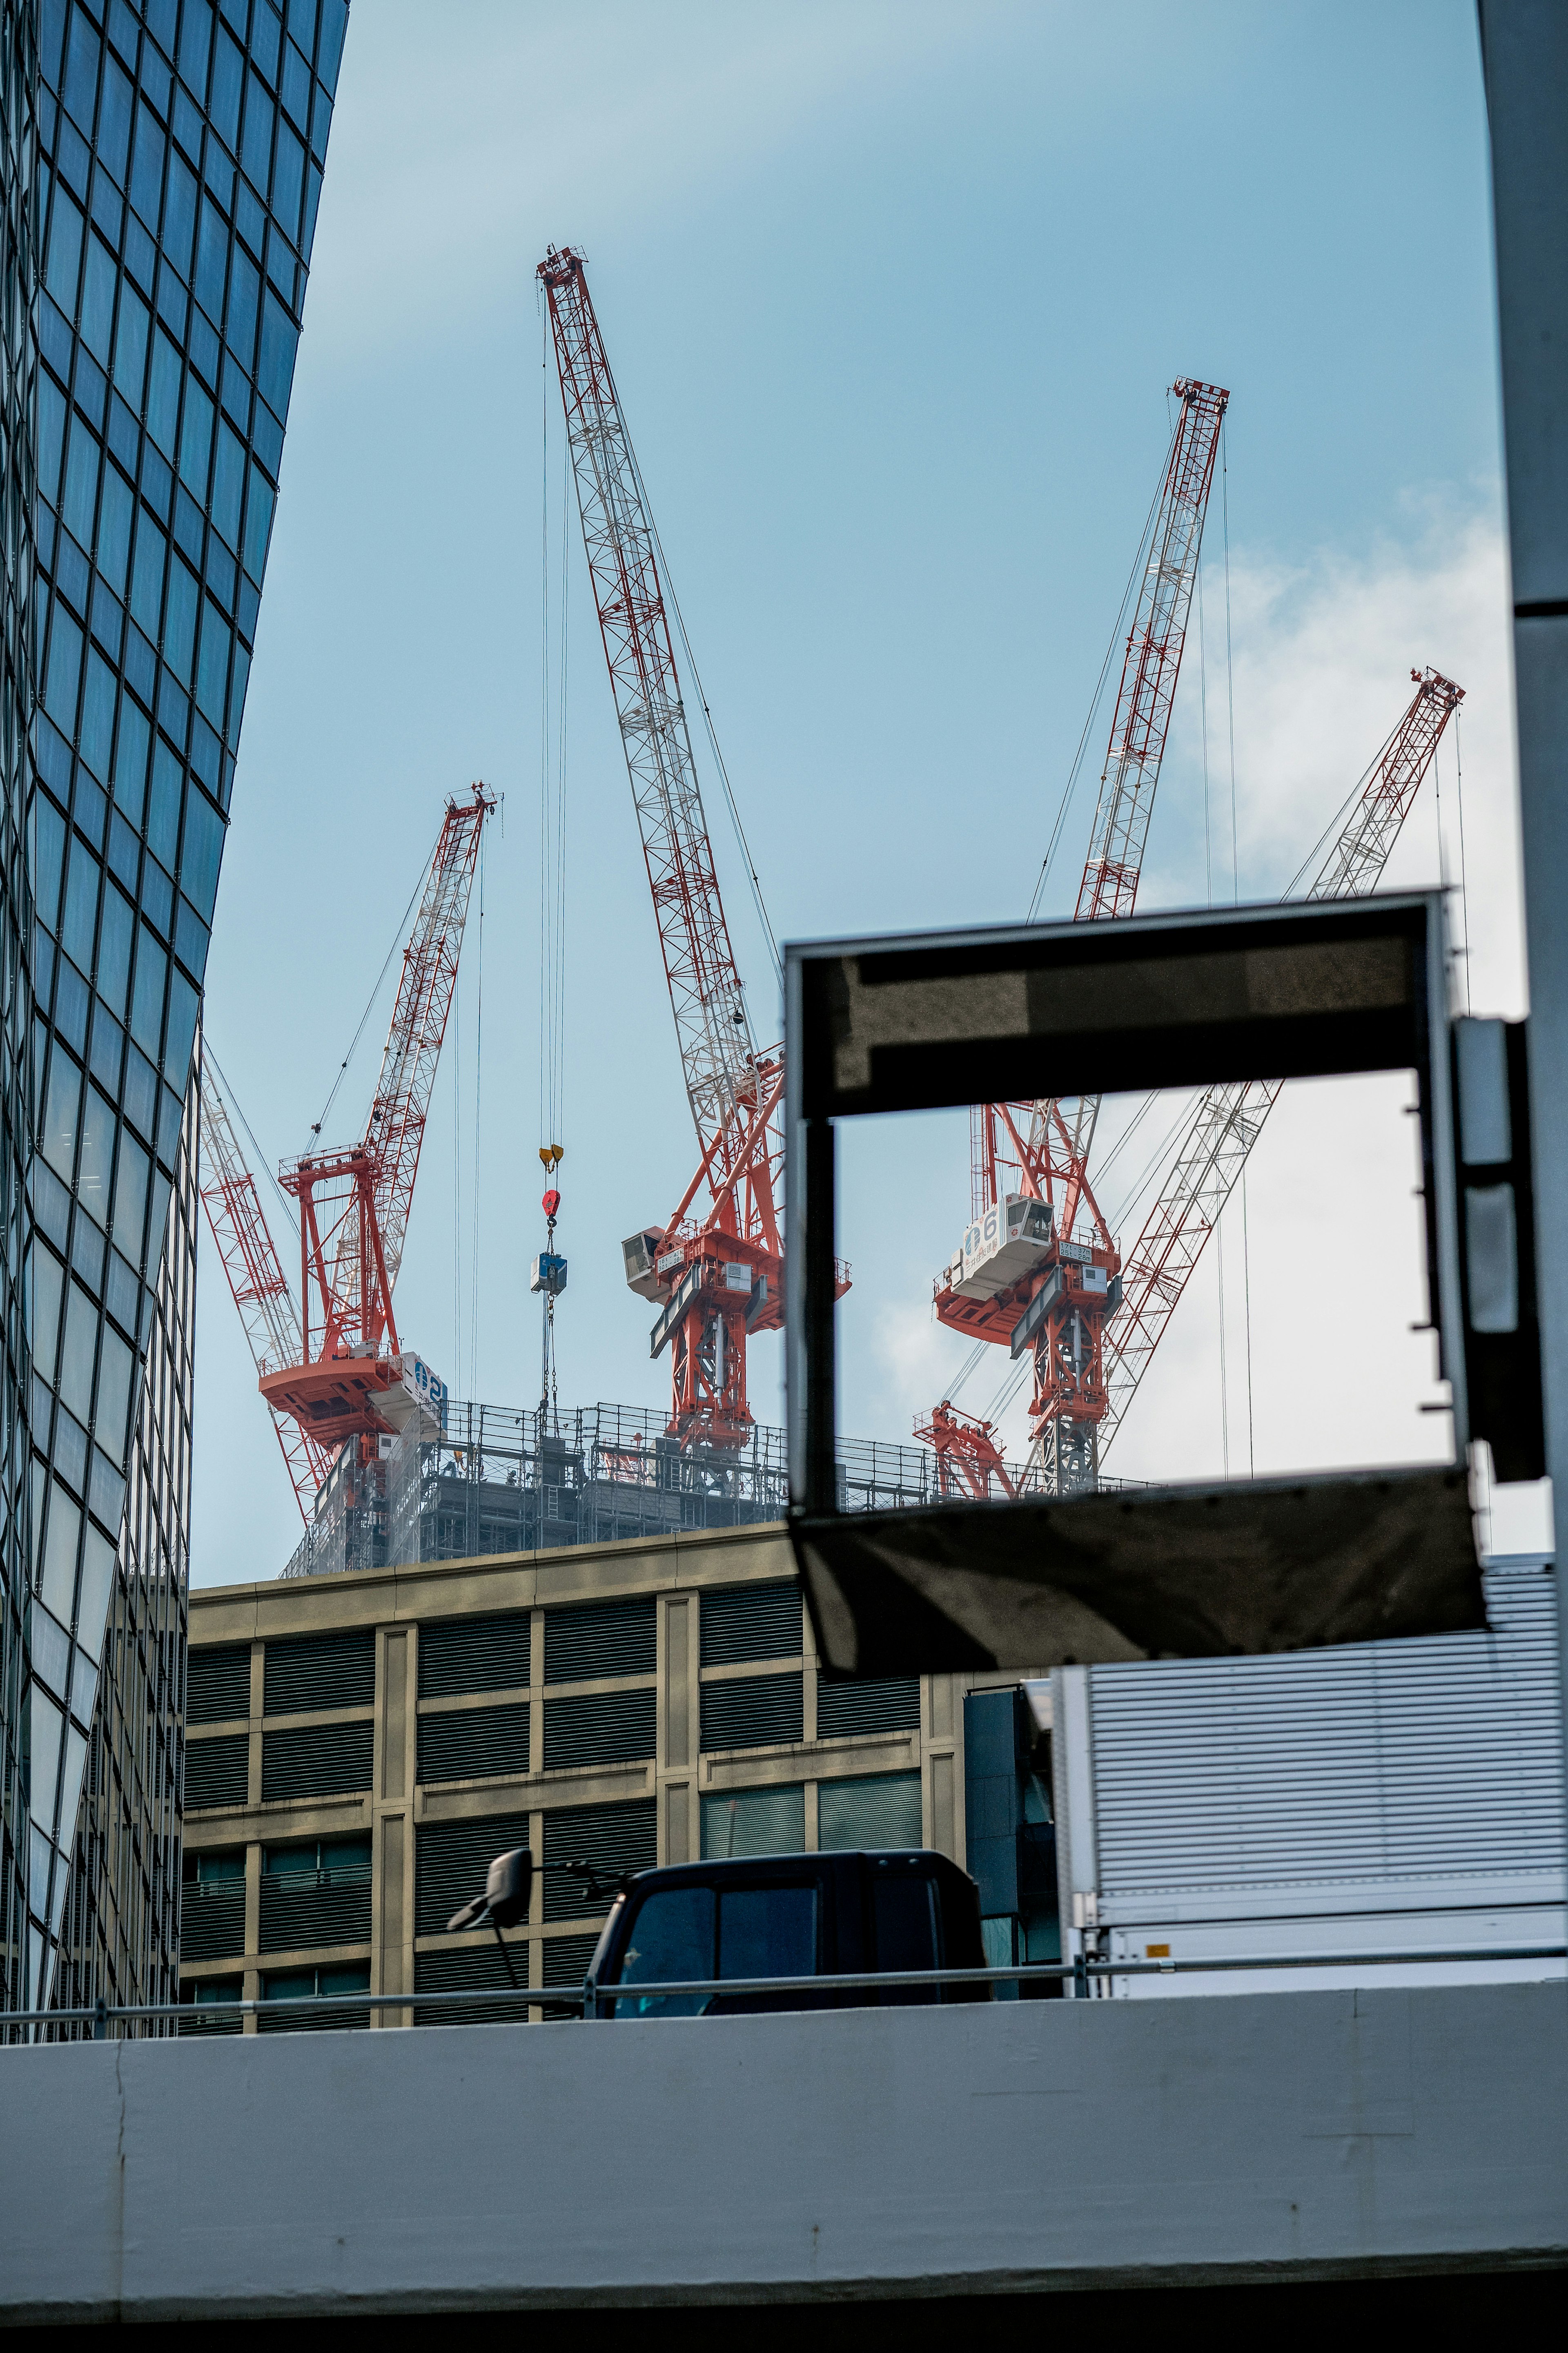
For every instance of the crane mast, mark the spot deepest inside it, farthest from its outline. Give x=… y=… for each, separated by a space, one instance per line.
x=1026 y=1277
x=715 y=1267
x=1228 y=1118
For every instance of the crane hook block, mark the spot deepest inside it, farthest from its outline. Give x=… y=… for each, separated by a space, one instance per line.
x=551 y=1203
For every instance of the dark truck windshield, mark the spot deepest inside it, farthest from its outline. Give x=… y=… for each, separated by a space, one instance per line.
x=838 y=1913
x=706 y=1932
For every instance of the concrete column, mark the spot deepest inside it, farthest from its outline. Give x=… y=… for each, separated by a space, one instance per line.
x=1524 y=46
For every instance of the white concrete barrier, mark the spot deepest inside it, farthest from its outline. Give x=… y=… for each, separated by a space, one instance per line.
x=899 y=2152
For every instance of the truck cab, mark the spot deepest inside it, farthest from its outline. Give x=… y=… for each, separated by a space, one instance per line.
x=790 y=1915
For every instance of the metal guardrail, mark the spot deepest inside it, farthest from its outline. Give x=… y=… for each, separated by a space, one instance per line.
x=588 y=1998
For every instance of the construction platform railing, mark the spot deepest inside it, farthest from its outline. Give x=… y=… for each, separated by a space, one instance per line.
x=504 y=1479
x=592 y=2001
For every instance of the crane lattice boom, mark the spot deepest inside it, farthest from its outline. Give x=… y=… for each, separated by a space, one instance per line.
x=1048 y=1144
x=1228 y=1119
x=1153 y=658
x=715 y=1268
x=395 y=1131
x=255 y=1272
x=716 y=1050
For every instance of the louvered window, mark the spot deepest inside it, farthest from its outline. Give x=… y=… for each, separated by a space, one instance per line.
x=320 y=1670
x=225 y=1991
x=600 y=1639
x=315 y=1894
x=599 y=1728
x=474 y=1744
x=750 y=1621
x=319 y=1760
x=611 y=1838
x=211 y=1919
x=216 y=1771
x=876 y=1703
x=751 y=1711
x=474 y=1654
x=450 y=1860
x=217 y=1683
x=470 y=1967
x=306 y=1986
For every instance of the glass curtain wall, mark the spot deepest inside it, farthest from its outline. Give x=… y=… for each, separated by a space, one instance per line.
x=163 y=167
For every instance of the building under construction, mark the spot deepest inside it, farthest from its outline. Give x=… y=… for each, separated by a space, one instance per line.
x=498 y=1480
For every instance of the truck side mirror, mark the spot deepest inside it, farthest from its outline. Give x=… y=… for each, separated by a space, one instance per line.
x=509 y=1883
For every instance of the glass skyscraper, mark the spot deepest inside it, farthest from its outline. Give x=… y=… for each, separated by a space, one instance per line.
x=162 y=166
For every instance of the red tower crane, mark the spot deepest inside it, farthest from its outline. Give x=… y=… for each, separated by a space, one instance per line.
x=255 y=1272
x=715 y=1267
x=331 y=1367
x=1228 y=1119
x=1022 y=1278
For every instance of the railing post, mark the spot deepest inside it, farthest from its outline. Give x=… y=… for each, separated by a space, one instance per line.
x=590 y=1996
x=1080 y=1974
x=101 y=2020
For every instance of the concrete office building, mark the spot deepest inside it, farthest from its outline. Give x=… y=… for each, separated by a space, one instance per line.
x=161 y=171
x=361 y=1746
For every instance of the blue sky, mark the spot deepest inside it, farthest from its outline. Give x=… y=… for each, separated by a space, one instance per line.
x=893 y=295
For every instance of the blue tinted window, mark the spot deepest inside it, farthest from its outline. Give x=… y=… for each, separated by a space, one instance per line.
x=114 y=120
x=147 y=1000
x=80 y=919
x=47 y=1282
x=80 y=500
x=131 y=1197
x=196 y=34
x=77 y=1352
x=257 y=153
x=179 y=621
x=113 y=1396
x=163 y=393
x=51 y=437
x=147 y=168
x=203 y=852
x=767 y=1932
x=61 y=1108
x=131 y=347
x=65 y=671
x=289 y=182
x=49 y=857
x=237 y=683
x=229 y=484
x=671 y=1938
x=257 y=524
x=212 y=678
x=180 y=215
x=211 y=256
x=183 y=1006
x=98 y=716
x=98 y=301
x=97 y=1157
x=163 y=814
x=115 y=513
x=65 y=252
x=81 y=71
x=244 y=294
x=147 y=579
x=228 y=71
x=196 y=442
x=114 y=953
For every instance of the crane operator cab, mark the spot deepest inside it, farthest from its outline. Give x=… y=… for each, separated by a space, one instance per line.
x=789 y=1915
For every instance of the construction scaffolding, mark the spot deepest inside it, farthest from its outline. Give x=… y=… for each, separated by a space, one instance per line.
x=501 y=1480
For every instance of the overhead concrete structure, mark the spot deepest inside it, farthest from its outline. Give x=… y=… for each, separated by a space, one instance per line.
x=822 y=2156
